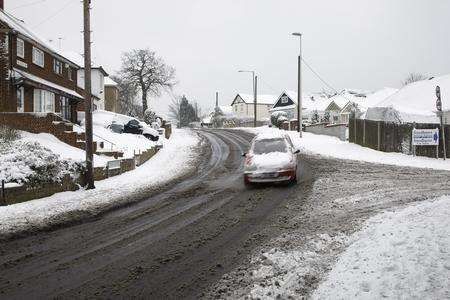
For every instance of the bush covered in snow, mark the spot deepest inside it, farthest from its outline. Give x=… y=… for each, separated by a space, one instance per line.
x=27 y=162
x=8 y=134
x=277 y=118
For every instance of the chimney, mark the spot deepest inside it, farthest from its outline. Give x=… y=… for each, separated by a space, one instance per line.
x=1 y=4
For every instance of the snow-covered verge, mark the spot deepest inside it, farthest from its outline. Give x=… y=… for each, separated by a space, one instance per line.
x=333 y=147
x=127 y=143
x=171 y=162
x=32 y=159
x=62 y=149
x=397 y=255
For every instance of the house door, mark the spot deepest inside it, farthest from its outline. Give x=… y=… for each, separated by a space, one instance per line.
x=20 y=100
x=65 y=108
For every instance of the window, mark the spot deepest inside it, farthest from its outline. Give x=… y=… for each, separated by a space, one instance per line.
x=284 y=99
x=38 y=57
x=65 y=108
x=69 y=73
x=20 y=99
x=57 y=66
x=6 y=43
x=44 y=101
x=20 y=48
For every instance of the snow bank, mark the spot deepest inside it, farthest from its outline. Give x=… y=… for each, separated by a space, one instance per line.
x=333 y=147
x=62 y=149
x=70 y=206
x=127 y=143
x=398 y=255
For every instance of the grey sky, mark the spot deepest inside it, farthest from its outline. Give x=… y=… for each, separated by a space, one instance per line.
x=365 y=44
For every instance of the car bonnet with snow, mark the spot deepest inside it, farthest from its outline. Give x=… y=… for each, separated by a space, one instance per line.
x=272 y=155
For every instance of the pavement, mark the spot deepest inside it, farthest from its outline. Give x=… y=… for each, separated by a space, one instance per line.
x=201 y=237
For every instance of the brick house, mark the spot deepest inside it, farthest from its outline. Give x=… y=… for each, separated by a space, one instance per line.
x=35 y=76
x=38 y=84
x=111 y=95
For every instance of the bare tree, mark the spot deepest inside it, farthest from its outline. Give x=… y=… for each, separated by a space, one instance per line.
x=147 y=72
x=413 y=77
x=128 y=97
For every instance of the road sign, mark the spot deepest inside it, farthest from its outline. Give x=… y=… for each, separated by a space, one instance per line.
x=425 y=137
x=438 y=99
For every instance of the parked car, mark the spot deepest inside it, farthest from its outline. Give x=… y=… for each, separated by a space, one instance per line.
x=116 y=127
x=136 y=127
x=271 y=158
x=133 y=126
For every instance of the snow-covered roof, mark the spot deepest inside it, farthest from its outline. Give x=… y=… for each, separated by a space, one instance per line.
x=79 y=60
x=419 y=98
x=226 y=110
x=310 y=101
x=207 y=120
x=28 y=33
x=372 y=100
x=347 y=96
x=261 y=99
x=20 y=73
x=110 y=82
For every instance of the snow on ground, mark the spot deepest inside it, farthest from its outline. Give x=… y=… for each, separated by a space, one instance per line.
x=127 y=143
x=64 y=150
x=166 y=165
x=397 y=255
x=333 y=147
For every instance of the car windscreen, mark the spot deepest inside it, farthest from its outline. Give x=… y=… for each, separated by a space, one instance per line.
x=269 y=145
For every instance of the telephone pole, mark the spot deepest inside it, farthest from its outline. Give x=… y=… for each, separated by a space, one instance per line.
x=88 y=96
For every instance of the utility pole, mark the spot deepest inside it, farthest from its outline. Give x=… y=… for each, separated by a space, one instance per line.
x=88 y=96
x=299 y=88
x=255 y=100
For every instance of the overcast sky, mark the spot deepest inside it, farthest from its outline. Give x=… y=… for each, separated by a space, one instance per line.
x=363 y=44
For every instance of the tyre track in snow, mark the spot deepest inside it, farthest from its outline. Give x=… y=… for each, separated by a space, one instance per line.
x=164 y=246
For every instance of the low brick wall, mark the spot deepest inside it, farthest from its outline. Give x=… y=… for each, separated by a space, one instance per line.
x=144 y=156
x=168 y=130
x=43 y=123
x=336 y=130
x=26 y=193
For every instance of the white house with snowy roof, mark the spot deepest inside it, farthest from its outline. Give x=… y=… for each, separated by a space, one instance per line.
x=243 y=106
x=312 y=104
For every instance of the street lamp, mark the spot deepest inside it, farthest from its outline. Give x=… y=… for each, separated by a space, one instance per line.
x=255 y=84
x=299 y=91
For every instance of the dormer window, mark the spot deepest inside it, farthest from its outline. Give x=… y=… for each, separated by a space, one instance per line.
x=20 y=48
x=57 y=67
x=38 y=57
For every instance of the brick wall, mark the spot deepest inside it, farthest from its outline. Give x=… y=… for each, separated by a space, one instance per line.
x=43 y=122
x=47 y=71
x=4 y=69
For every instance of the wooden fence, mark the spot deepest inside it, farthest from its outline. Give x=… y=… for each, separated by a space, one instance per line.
x=392 y=137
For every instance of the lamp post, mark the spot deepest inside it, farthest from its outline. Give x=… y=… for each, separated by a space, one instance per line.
x=255 y=83
x=299 y=88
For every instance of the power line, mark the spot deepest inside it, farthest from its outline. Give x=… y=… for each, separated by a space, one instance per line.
x=67 y=4
x=323 y=80
x=29 y=4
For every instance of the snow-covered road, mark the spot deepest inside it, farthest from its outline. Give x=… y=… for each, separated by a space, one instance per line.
x=172 y=162
x=208 y=236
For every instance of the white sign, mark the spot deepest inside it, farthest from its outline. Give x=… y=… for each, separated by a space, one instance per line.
x=425 y=137
x=22 y=64
x=113 y=164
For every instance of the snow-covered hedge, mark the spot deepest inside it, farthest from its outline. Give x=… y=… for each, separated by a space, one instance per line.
x=29 y=162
